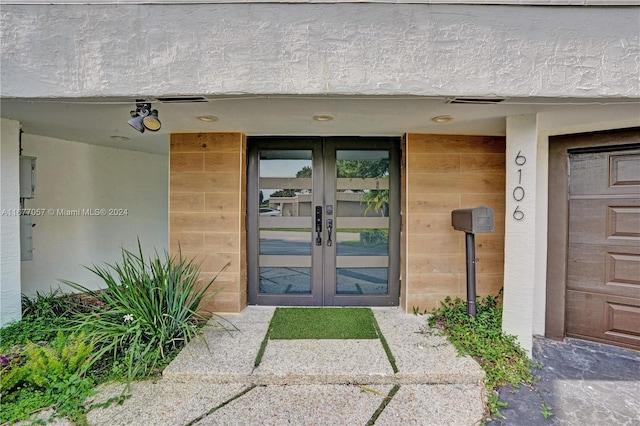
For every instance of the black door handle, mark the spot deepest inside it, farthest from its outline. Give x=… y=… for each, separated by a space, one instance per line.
x=318 y=225
x=329 y=229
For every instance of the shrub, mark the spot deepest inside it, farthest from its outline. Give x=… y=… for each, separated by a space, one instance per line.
x=374 y=237
x=45 y=374
x=151 y=309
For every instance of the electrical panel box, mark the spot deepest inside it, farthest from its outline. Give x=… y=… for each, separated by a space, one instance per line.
x=26 y=237
x=478 y=220
x=27 y=177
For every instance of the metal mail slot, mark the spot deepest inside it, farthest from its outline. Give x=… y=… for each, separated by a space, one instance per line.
x=478 y=220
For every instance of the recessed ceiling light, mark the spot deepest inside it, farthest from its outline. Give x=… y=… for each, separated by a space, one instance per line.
x=119 y=138
x=207 y=118
x=442 y=119
x=323 y=117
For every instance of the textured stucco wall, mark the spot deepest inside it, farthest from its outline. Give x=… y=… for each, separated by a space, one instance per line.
x=382 y=49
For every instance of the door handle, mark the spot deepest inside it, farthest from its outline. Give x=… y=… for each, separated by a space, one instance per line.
x=329 y=229
x=318 y=225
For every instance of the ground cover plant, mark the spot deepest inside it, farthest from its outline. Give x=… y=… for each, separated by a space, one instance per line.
x=500 y=356
x=132 y=328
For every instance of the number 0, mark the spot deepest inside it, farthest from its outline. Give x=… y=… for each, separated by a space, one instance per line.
x=518 y=193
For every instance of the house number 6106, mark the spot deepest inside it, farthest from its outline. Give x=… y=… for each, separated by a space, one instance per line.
x=518 y=192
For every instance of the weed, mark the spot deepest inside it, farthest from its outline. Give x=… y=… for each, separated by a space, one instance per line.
x=546 y=411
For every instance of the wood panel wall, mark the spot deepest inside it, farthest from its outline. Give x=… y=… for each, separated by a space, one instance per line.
x=442 y=173
x=207 y=194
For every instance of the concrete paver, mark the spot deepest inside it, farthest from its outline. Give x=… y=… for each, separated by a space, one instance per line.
x=435 y=405
x=162 y=402
x=301 y=405
x=324 y=361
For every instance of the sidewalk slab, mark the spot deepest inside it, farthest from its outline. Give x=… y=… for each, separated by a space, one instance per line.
x=421 y=354
x=435 y=405
x=164 y=402
x=224 y=356
x=300 y=405
x=324 y=361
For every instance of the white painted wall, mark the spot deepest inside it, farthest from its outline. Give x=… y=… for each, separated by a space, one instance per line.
x=365 y=49
x=9 y=222
x=521 y=236
x=74 y=175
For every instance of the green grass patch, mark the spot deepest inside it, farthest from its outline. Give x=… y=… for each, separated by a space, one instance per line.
x=323 y=323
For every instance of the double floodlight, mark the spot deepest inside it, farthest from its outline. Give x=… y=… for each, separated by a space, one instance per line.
x=144 y=118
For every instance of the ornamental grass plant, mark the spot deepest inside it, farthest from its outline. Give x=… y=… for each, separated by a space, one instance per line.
x=152 y=308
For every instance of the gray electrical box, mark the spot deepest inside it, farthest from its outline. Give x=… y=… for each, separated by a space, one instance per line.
x=26 y=237
x=27 y=177
x=478 y=220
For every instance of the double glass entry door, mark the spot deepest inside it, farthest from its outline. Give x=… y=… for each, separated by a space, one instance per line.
x=323 y=221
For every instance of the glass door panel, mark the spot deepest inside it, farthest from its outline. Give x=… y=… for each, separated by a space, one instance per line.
x=362 y=217
x=285 y=197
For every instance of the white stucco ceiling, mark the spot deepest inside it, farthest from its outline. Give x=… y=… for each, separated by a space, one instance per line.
x=96 y=120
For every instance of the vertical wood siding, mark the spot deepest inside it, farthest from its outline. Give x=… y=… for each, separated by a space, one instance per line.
x=207 y=196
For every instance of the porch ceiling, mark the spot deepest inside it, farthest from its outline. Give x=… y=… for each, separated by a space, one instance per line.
x=96 y=120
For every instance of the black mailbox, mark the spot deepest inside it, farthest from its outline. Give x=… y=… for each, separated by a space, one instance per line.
x=478 y=220
x=472 y=221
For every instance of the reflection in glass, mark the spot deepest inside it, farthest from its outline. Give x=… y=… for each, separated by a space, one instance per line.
x=285 y=280
x=362 y=281
x=285 y=183
x=285 y=196
x=363 y=183
x=363 y=242
x=285 y=242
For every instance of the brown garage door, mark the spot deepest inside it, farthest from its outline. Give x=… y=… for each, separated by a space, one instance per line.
x=603 y=270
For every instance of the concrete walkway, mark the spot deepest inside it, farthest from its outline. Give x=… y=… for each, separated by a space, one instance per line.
x=215 y=381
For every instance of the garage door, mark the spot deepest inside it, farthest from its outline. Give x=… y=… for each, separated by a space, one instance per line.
x=603 y=270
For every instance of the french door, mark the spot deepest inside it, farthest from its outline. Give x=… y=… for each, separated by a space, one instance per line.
x=323 y=221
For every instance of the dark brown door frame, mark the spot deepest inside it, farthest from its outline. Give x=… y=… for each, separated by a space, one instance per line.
x=392 y=144
x=558 y=216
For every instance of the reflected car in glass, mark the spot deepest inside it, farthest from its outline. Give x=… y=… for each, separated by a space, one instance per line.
x=269 y=212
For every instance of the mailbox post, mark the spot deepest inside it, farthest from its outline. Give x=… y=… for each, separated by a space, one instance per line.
x=478 y=220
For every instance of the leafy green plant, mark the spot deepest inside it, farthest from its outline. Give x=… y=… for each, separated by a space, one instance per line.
x=151 y=309
x=374 y=237
x=46 y=374
x=546 y=411
x=48 y=305
x=499 y=354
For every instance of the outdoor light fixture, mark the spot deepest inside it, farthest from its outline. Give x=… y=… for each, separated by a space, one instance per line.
x=144 y=118
x=323 y=117
x=442 y=119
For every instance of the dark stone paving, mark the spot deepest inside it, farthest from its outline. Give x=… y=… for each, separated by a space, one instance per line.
x=584 y=383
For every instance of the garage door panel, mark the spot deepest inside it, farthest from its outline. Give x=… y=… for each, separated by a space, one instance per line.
x=604 y=269
x=605 y=173
x=605 y=221
x=603 y=256
x=603 y=318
